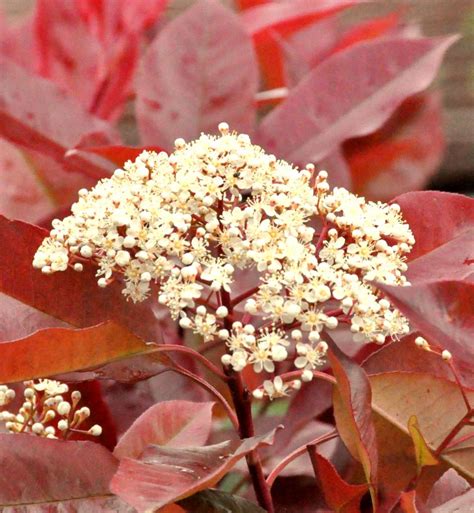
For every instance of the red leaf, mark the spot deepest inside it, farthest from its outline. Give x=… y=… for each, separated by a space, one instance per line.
x=353 y=412
x=166 y=475
x=114 y=89
x=176 y=424
x=111 y=21
x=116 y=154
x=49 y=475
x=247 y=4
x=308 y=47
x=403 y=154
x=371 y=29
x=26 y=118
x=306 y=404
x=91 y=48
x=72 y=297
x=16 y=42
x=405 y=356
x=205 y=76
x=438 y=406
x=449 y=486
x=447 y=251
x=67 y=51
x=288 y=17
x=265 y=22
x=340 y=496
x=298 y=495
x=443 y=312
x=408 y=502
x=22 y=195
x=30 y=357
x=370 y=81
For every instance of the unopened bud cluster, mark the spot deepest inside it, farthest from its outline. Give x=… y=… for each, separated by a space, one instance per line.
x=48 y=410
x=196 y=221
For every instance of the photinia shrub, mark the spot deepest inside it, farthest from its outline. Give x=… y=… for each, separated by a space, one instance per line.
x=195 y=314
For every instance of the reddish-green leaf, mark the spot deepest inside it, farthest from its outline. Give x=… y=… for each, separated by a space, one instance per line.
x=60 y=350
x=340 y=496
x=423 y=455
x=38 y=475
x=69 y=296
x=438 y=406
x=27 y=119
x=443 y=311
x=176 y=424
x=188 y=85
x=352 y=409
x=370 y=80
x=166 y=475
x=446 y=252
x=405 y=356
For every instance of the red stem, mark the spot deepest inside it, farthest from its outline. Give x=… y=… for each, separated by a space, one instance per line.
x=321 y=238
x=243 y=409
x=203 y=383
x=463 y=422
x=244 y=295
x=296 y=453
x=176 y=348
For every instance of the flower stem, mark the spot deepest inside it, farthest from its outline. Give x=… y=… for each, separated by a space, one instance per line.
x=242 y=403
x=207 y=386
x=176 y=348
x=298 y=452
x=243 y=409
x=245 y=295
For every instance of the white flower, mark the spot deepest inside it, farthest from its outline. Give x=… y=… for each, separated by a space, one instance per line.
x=50 y=387
x=276 y=388
x=190 y=223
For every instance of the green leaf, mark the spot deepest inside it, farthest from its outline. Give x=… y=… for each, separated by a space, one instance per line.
x=422 y=451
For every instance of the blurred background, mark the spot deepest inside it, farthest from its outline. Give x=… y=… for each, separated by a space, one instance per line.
x=455 y=80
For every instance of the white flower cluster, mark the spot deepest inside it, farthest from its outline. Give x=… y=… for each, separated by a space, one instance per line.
x=45 y=411
x=188 y=222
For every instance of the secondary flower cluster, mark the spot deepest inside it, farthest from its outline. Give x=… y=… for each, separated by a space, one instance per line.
x=46 y=410
x=194 y=221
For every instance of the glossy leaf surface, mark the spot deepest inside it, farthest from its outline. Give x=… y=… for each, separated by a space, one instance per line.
x=41 y=476
x=69 y=296
x=176 y=424
x=352 y=398
x=31 y=357
x=166 y=475
x=370 y=81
